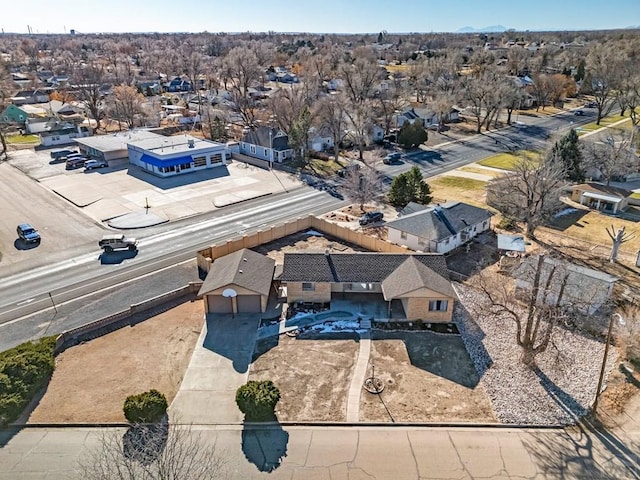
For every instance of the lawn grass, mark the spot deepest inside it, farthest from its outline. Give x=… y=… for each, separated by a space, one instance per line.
x=479 y=170
x=468 y=190
x=605 y=122
x=592 y=228
x=507 y=160
x=460 y=182
x=20 y=139
x=635 y=195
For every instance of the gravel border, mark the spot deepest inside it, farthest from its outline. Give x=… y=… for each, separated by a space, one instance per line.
x=558 y=394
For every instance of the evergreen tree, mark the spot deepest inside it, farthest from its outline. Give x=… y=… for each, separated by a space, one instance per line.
x=567 y=150
x=412 y=135
x=409 y=187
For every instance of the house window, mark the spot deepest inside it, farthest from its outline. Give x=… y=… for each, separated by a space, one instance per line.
x=252 y=149
x=266 y=152
x=308 y=287
x=438 y=305
x=403 y=235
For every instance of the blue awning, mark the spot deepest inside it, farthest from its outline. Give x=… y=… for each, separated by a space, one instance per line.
x=170 y=162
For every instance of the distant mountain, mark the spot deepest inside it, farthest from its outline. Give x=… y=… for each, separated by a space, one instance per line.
x=490 y=29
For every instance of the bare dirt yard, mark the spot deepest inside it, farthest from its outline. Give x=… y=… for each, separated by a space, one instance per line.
x=428 y=377
x=313 y=375
x=92 y=380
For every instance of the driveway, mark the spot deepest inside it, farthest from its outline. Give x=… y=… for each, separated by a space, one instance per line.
x=219 y=365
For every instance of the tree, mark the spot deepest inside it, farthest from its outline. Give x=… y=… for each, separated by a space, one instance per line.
x=568 y=151
x=362 y=186
x=257 y=400
x=146 y=407
x=241 y=69
x=618 y=238
x=412 y=134
x=409 y=187
x=613 y=157
x=603 y=64
x=331 y=115
x=535 y=322
x=531 y=193
x=88 y=80
x=158 y=452
x=126 y=104
x=299 y=134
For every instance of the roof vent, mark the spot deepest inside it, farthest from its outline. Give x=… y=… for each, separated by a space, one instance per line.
x=191 y=143
x=240 y=271
x=244 y=259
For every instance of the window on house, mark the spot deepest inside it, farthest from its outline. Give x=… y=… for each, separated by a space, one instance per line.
x=438 y=305
x=403 y=235
x=266 y=152
x=252 y=149
x=308 y=287
x=216 y=158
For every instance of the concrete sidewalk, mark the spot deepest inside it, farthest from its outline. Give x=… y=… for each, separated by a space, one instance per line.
x=218 y=366
x=342 y=453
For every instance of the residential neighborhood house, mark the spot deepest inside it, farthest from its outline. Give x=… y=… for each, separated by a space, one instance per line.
x=601 y=197
x=418 y=283
x=439 y=228
x=266 y=143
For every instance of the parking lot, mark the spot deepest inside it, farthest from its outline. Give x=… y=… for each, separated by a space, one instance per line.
x=75 y=207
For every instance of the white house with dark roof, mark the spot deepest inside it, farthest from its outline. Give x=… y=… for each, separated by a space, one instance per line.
x=266 y=143
x=420 y=282
x=168 y=156
x=439 y=228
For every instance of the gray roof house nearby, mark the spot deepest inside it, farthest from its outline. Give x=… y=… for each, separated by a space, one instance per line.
x=439 y=228
x=266 y=143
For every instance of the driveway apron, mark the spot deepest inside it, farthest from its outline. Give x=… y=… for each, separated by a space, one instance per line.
x=219 y=365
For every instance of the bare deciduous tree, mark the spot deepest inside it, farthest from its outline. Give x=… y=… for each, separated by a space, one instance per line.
x=152 y=452
x=540 y=311
x=241 y=70
x=618 y=237
x=531 y=193
x=88 y=81
x=612 y=157
x=126 y=104
x=362 y=186
x=331 y=115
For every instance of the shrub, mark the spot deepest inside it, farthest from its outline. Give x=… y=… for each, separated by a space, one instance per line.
x=24 y=370
x=257 y=400
x=146 y=407
x=508 y=224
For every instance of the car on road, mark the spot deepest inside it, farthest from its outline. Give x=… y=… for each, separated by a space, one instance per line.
x=392 y=158
x=75 y=162
x=370 y=217
x=353 y=167
x=91 y=164
x=64 y=153
x=590 y=105
x=579 y=113
x=109 y=243
x=433 y=126
x=27 y=233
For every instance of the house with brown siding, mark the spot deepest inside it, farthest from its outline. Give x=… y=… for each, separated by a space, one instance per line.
x=419 y=281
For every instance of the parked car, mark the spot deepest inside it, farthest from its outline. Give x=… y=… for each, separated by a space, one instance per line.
x=370 y=217
x=109 y=243
x=433 y=126
x=56 y=154
x=579 y=113
x=91 y=164
x=75 y=162
x=392 y=158
x=591 y=105
x=343 y=172
x=27 y=233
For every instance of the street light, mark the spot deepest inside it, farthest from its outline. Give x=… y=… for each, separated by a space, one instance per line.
x=604 y=359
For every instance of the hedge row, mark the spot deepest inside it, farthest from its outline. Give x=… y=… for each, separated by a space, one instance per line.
x=24 y=370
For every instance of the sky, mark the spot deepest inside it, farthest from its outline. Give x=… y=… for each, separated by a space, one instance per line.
x=325 y=16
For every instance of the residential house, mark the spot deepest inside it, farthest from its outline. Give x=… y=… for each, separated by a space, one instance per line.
x=408 y=115
x=63 y=133
x=266 y=143
x=14 y=114
x=418 y=282
x=238 y=283
x=169 y=156
x=31 y=96
x=584 y=289
x=601 y=197
x=320 y=139
x=439 y=228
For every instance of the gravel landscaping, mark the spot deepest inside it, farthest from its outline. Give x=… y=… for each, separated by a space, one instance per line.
x=558 y=394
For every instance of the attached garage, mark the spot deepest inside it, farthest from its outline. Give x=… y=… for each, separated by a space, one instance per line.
x=238 y=283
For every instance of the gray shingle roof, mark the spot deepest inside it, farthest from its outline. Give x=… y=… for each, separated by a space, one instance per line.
x=412 y=275
x=440 y=222
x=260 y=137
x=244 y=268
x=354 y=267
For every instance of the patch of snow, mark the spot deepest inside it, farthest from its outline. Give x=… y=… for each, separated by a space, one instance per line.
x=337 y=326
x=314 y=233
x=565 y=211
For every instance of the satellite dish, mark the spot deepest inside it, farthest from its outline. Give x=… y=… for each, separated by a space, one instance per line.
x=229 y=293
